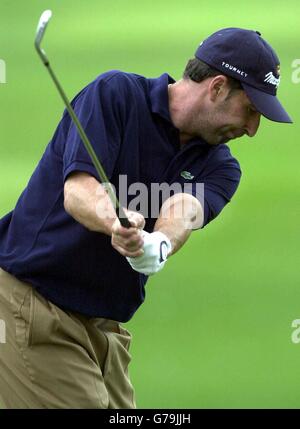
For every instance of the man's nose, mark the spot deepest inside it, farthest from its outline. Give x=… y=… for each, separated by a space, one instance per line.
x=253 y=124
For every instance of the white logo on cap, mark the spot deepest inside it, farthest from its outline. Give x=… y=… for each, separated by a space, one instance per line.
x=270 y=78
x=234 y=69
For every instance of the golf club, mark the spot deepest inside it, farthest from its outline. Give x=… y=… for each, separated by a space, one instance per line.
x=42 y=25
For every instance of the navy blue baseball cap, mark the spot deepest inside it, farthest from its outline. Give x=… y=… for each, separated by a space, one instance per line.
x=244 y=55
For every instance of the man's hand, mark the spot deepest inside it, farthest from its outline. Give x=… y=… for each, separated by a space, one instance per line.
x=129 y=241
x=156 y=248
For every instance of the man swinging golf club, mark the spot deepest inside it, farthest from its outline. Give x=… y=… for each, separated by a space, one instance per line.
x=73 y=262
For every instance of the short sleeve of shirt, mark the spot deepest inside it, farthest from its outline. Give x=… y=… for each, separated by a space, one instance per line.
x=99 y=111
x=220 y=178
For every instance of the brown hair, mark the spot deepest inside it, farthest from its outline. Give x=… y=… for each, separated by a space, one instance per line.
x=198 y=71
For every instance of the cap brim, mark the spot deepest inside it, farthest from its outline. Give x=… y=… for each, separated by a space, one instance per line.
x=268 y=105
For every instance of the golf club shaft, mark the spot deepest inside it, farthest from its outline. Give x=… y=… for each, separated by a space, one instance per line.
x=100 y=170
x=102 y=175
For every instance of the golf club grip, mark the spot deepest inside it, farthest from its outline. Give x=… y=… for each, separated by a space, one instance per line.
x=125 y=222
x=122 y=217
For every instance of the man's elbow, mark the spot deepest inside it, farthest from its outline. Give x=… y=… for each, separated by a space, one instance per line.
x=186 y=207
x=194 y=211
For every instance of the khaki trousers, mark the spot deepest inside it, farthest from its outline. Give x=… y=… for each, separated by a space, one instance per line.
x=50 y=358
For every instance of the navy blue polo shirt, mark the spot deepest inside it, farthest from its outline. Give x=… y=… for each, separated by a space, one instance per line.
x=127 y=119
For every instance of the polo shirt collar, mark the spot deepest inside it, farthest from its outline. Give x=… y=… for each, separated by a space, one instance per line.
x=159 y=96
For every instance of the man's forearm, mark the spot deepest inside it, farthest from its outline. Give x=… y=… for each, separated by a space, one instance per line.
x=179 y=215
x=87 y=202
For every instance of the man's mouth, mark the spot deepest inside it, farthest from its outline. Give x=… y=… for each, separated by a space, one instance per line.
x=234 y=135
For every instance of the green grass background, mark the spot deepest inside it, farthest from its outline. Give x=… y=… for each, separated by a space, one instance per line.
x=215 y=330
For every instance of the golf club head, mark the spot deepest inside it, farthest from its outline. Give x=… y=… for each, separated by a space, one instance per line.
x=41 y=28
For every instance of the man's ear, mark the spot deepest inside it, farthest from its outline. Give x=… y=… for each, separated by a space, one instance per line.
x=218 y=87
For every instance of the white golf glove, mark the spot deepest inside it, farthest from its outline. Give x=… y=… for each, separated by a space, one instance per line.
x=156 y=248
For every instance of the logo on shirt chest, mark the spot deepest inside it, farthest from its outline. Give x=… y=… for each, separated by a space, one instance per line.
x=186 y=175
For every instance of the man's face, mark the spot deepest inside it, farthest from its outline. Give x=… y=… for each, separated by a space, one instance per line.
x=225 y=119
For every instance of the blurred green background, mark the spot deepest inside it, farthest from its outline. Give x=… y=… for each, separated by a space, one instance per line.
x=215 y=330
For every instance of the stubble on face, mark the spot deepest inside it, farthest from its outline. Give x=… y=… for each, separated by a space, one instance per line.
x=222 y=124
x=216 y=123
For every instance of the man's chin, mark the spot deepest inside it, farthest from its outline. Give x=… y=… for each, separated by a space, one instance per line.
x=225 y=140
x=222 y=140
